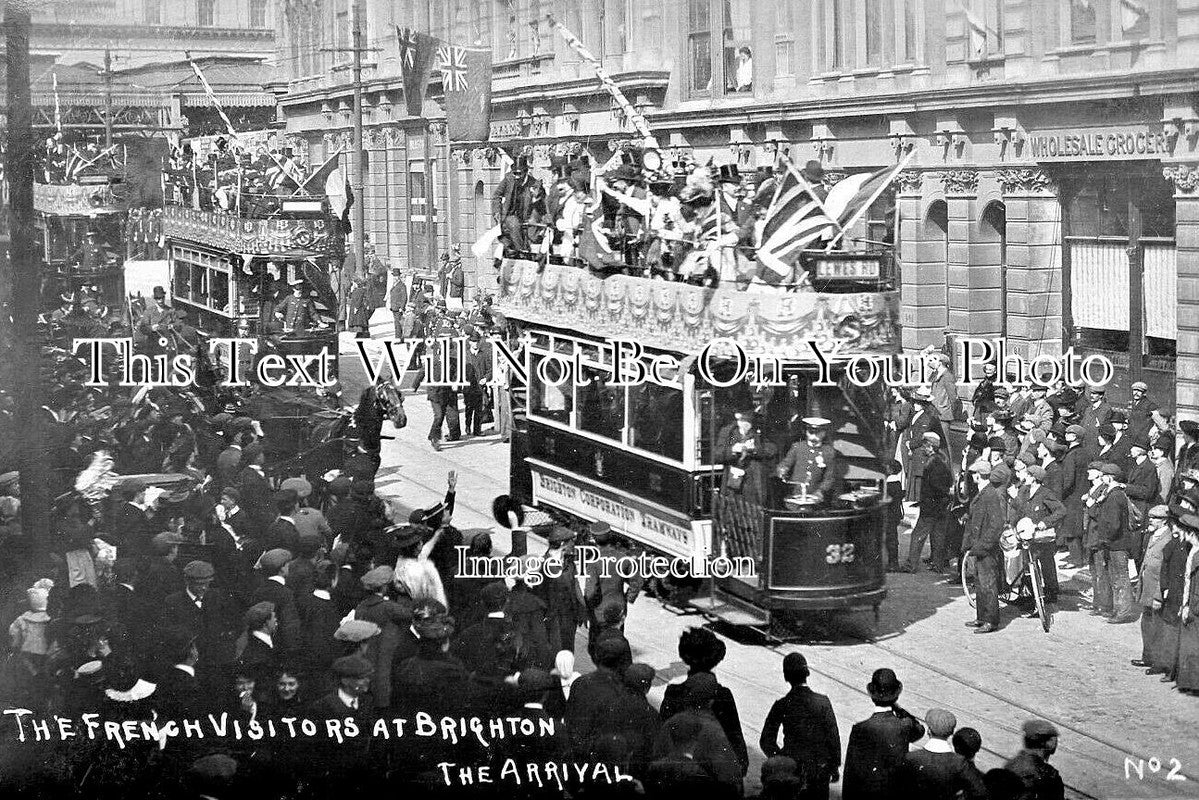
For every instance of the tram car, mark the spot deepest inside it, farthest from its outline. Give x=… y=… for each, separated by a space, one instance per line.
x=81 y=226
x=655 y=458
x=260 y=273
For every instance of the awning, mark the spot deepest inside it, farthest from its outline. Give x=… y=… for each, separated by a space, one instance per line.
x=231 y=99
x=1099 y=284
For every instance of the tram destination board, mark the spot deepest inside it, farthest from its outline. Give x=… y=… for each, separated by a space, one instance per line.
x=845 y=266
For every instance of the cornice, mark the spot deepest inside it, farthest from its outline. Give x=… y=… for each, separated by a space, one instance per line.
x=42 y=30
x=582 y=87
x=1064 y=89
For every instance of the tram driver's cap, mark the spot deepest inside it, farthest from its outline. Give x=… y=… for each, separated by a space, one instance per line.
x=935 y=439
x=817 y=423
x=1038 y=732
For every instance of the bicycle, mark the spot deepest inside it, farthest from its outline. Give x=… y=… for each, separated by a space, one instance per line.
x=1017 y=581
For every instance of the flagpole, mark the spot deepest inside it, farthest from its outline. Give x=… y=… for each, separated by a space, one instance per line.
x=634 y=116
x=811 y=192
x=865 y=206
x=356 y=180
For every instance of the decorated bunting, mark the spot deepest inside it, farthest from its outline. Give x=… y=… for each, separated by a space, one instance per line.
x=684 y=318
x=634 y=116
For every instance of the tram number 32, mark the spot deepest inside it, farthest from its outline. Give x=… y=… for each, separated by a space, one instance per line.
x=839 y=554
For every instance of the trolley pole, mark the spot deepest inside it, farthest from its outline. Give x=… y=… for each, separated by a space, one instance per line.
x=356 y=177
x=107 y=97
x=23 y=265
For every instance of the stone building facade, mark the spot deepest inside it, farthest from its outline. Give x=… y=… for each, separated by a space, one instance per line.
x=140 y=32
x=1053 y=143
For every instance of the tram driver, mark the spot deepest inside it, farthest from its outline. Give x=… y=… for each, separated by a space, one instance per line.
x=810 y=466
x=91 y=253
x=297 y=311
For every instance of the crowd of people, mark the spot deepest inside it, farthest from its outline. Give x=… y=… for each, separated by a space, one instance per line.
x=702 y=224
x=255 y=597
x=1113 y=489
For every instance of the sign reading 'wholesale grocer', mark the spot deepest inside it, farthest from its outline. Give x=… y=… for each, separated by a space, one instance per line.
x=1092 y=144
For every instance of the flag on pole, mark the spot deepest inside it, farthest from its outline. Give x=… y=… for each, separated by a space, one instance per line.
x=849 y=202
x=977 y=29
x=793 y=220
x=466 y=81
x=212 y=98
x=315 y=183
x=797 y=219
x=1134 y=16
x=416 y=62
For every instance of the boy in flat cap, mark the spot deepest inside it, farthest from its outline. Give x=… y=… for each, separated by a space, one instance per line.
x=935 y=770
x=272 y=587
x=1110 y=543
x=1074 y=486
x=1031 y=765
x=1036 y=502
x=212 y=615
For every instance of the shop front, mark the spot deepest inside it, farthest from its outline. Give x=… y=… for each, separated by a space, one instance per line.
x=1119 y=256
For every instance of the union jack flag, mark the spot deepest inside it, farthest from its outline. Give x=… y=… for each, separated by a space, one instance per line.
x=453 y=68
x=407 y=37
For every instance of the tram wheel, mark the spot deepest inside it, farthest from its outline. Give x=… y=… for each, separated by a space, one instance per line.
x=968 y=579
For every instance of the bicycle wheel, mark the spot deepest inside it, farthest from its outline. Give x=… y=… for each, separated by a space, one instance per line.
x=1038 y=593
x=968 y=578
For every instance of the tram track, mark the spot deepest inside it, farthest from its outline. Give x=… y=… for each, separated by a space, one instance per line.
x=857 y=687
x=1091 y=753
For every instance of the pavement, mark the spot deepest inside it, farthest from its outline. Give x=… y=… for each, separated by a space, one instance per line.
x=1123 y=734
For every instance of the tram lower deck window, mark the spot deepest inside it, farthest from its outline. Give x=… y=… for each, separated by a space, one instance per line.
x=601 y=407
x=656 y=420
x=549 y=401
